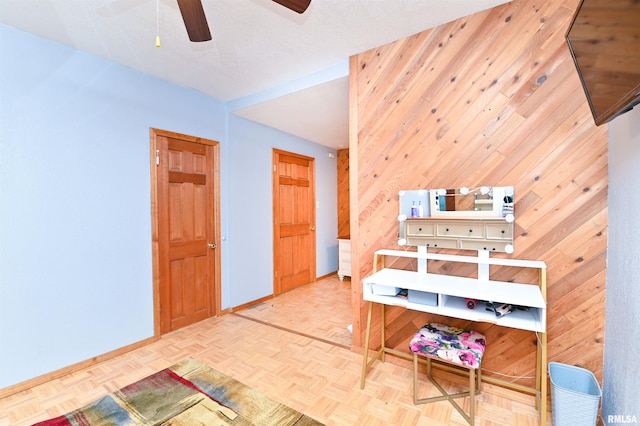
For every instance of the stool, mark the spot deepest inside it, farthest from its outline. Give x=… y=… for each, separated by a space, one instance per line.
x=454 y=346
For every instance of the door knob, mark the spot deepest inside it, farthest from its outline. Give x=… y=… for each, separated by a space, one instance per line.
x=212 y=245
x=313 y=228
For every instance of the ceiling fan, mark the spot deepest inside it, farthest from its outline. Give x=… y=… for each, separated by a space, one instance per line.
x=196 y=21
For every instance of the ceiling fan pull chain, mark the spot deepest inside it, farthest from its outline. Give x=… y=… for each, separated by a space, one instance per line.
x=157 y=23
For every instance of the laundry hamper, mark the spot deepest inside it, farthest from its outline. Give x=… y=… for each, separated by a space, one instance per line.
x=575 y=395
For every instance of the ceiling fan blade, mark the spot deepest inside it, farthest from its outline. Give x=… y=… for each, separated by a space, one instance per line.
x=195 y=20
x=296 y=5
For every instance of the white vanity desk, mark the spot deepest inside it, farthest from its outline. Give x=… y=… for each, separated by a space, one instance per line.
x=445 y=295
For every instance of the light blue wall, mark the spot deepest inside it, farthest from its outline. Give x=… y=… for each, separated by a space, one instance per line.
x=250 y=180
x=75 y=221
x=75 y=216
x=250 y=220
x=621 y=375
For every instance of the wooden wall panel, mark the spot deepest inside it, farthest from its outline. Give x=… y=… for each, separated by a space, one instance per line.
x=489 y=99
x=344 y=229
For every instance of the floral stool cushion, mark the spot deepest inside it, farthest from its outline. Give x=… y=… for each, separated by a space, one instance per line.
x=462 y=347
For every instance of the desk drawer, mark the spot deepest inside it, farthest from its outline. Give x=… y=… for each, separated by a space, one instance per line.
x=465 y=230
x=419 y=229
x=441 y=243
x=491 y=245
x=500 y=231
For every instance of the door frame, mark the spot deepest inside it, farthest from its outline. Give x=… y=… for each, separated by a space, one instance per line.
x=155 y=237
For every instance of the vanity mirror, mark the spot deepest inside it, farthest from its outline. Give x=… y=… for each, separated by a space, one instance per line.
x=476 y=218
x=484 y=201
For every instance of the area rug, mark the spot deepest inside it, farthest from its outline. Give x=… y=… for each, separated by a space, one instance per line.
x=188 y=393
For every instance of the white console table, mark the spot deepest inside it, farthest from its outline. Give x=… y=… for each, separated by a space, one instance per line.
x=445 y=295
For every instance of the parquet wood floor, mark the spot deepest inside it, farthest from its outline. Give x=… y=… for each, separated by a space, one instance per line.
x=294 y=349
x=322 y=310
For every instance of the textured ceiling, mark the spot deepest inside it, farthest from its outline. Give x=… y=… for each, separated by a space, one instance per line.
x=257 y=45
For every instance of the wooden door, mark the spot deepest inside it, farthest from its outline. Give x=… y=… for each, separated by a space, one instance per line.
x=294 y=251
x=186 y=262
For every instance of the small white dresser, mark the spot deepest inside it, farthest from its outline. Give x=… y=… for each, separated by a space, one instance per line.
x=344 y=258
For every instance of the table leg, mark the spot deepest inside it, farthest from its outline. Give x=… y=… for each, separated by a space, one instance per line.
x=538 y=399
x=365 y=354
x=543 y=377
x=382 y=327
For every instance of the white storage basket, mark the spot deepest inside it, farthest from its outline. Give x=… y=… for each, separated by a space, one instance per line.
x=575 y=395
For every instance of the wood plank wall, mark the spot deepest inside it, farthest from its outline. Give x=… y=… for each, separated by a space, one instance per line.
x=344 y=230
x=489 y=99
